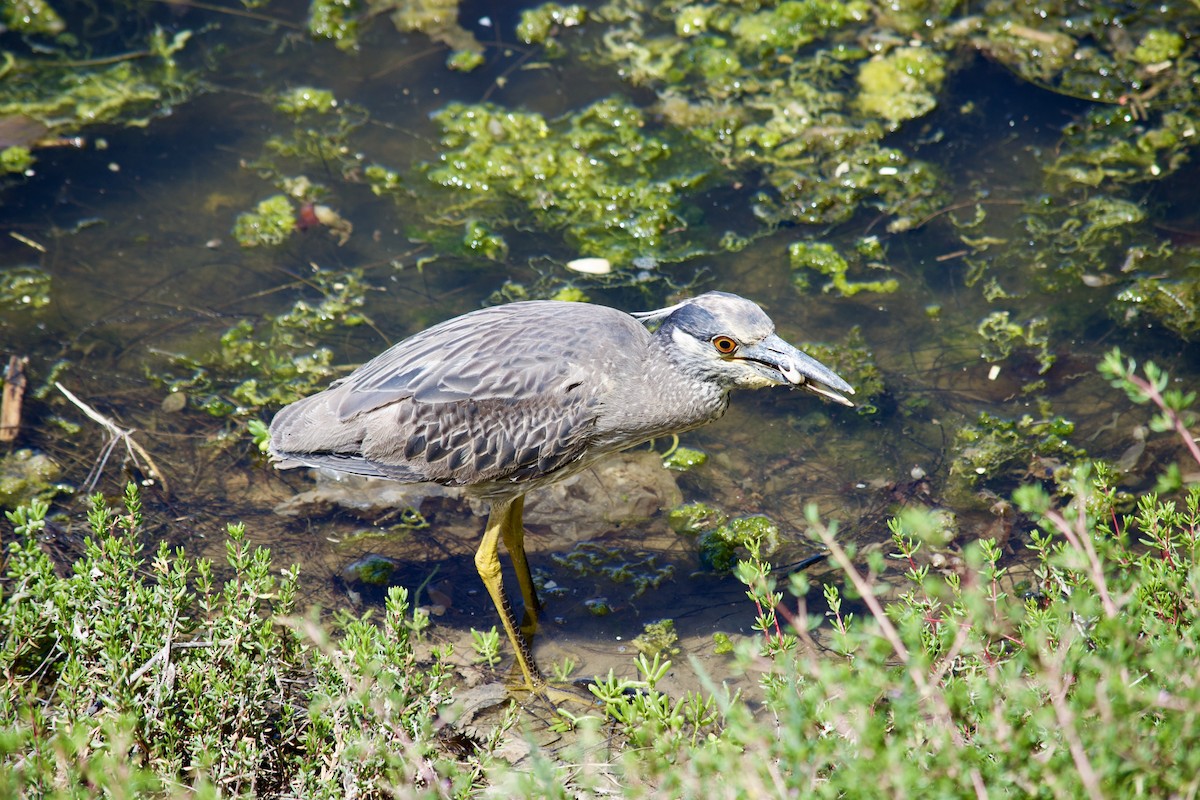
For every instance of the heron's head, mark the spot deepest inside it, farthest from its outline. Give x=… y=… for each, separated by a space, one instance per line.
x=730 y=340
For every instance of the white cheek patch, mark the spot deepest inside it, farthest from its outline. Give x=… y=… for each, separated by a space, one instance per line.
x=689 y=344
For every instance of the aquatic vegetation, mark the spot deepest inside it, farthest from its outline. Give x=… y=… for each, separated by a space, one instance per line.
x=1002 y=337
x=32 y=16
x=27 y=476
x=270 y=223
x=1157 y=46
x=301 y=100
x=855 y=362
x=24 y=288
x=480 y=239
x=901 y=84
x=341 y=21
x=15 y=159
x=1108 y=145
x=683 y=459
x=1173 y=303
x=642 y=571
x=267 y=363
x=595 y=175
x=372 y=570
x=538 y=24
x=336 y=21
x=1001 y=453
x=824 y=259
x=1066 y=245
x=657 y=639
x=719 y=547
x=695 y=517
x=53 y=83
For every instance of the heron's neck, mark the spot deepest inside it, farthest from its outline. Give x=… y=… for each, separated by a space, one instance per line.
x=688 y=396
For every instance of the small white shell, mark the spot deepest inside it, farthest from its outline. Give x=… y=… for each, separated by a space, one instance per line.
x=590 y=266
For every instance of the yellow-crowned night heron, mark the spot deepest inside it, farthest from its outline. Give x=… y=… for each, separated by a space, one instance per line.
x=508 y=398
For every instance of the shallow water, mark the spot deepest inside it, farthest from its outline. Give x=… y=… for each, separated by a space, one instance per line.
x=137 y=240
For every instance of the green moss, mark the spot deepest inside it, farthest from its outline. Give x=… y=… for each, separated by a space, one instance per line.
x=863 y=174
x=824 y=259
x=383 y=180
x=1002 y=337
x=1037 y=51
x=24 y=287
x=335 y=20
x=32 y=17
x=693 y=518
x=999 y=453
x=465 y=60
x=480 y=239
x=588 y=175
x=271 y=222
x=1093 y=242
x=901 y=84
x=126 y=93
x=792 y=24
x=304 y=100
x=693 y=20
x=538 y=24
x=319 y=140
x=26 y=476
x=437 y=19
x=1111 y=146
x=15 y=159
x=682 y=459
x=570 y=294
x=719 y=547
x=658 y=639
x=341 y=22
x=1158 y=45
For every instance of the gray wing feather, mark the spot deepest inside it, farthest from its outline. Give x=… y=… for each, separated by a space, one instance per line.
x=504 y=352
x=503 y=395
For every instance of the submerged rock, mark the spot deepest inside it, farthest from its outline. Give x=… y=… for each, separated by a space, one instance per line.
x=27 y=475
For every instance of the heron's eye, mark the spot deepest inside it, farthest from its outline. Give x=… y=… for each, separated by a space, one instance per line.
x=725 y=346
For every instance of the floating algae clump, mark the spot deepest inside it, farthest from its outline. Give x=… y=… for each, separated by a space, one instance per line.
x=24 y=287
x=589 y=174
x=341 y=21
x=658 y=638
x=270 y=223
x=996 y=451
x=26 y=475
x=901 y=85
x=824 y=259
x=756 y=534
x=694 y=518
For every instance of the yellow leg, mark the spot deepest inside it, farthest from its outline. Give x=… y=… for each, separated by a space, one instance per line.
x=514 y=541
x=487 y=561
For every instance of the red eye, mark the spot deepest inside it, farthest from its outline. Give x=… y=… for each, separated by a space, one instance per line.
x=725 y=346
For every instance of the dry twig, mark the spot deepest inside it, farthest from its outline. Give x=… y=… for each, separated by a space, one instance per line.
x=118 y=435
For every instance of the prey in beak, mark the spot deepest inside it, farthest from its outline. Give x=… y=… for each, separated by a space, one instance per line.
x=781 y=363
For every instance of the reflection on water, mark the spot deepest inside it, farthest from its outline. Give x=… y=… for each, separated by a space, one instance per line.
x=136 y=237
